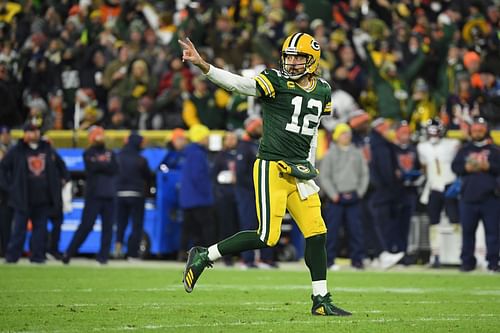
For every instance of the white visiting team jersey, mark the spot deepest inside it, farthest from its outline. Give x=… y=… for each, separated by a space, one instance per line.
x=437 y=158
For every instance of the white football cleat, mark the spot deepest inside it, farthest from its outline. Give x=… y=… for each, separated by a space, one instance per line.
x=387 y=260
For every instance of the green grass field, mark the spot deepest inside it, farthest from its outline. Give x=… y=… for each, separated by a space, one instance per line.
x=150 y=298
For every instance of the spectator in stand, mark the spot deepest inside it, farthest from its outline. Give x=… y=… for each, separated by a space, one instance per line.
x=237 y=111
x=101 y=169
x=438 y=71
x=116 y=71
x=302 y=22
x=348 y=74
x=320 y=32
x=229 y=41
x=472 y=63
x=205 y=106
x=114 y=110
x=135 y=32
x=391 y=85
x=269 y=34
x=245 y=192
x=92 y=74
x=110 y=10
x=41 y=78
x=132 y=182
x=196 y=192
x=478 y=165
x=454 y=69
x=385 y=178
x=488 y=96
x=224 y=178
x=90 y=114
x=136 y=84
x=461 y=106
x=436 y=155
x=61 y=39
x=344 y=177
x=153 y=54
x=6 y=212
x=422 y=105
x=39 y=114
x=10 y=95
x=29 y=174
x=172 y=91
x=176 y=69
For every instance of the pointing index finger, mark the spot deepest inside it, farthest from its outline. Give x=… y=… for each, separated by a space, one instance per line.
x=183 y=44
x=189 y=42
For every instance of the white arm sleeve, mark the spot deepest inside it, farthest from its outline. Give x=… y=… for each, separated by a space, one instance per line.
x=232 y=82
x=312 y=150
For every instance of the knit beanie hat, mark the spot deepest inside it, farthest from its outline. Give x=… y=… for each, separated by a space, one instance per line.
x=198 y=132
x=339 y=130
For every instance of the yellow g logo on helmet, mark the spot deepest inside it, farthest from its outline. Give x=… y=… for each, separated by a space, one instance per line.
x=315 y=45
x=302 y=44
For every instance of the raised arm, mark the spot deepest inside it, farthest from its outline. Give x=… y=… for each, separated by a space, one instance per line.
x=222 y=78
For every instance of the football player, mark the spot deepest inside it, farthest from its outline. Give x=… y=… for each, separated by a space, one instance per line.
x=293 y=100
x=436 y=155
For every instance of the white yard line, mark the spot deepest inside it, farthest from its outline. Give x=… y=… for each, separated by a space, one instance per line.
x=287 y=323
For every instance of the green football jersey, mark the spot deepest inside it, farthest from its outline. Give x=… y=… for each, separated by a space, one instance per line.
x=290 y=114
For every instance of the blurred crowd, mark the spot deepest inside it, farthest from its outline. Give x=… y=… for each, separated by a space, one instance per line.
x=73 y=64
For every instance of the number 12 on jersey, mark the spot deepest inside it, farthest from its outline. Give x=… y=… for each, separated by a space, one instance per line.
x=310 y=120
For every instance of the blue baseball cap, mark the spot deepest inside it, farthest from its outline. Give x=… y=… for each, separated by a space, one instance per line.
x=4 y=129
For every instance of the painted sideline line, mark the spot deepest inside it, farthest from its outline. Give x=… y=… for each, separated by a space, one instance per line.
x=217 y=303
x=298 y=266
x=215 y=287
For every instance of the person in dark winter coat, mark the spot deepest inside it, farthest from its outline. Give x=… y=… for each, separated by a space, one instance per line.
x=224 y=177
x=132 y=181
x=6 y=212
x=174 y=159
x=387 y=187
x=29 y=174
x=245 y=193
x=196 y=197
x=101 y=168
x=478 y=165
x=411 y=176
x=56 y=217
